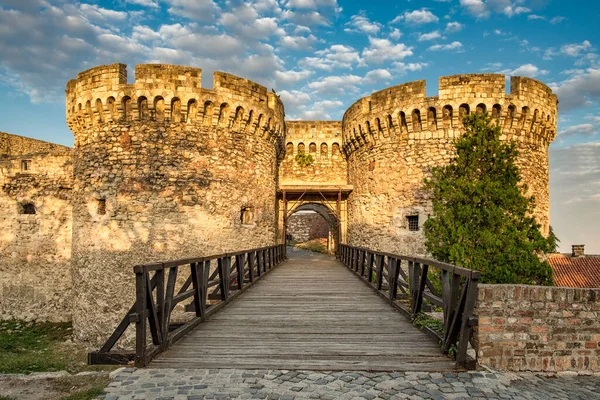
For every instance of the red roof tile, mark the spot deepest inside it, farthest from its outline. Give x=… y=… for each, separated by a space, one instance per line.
x=581 y=272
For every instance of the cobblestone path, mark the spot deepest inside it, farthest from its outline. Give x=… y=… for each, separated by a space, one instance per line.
x=197 y=384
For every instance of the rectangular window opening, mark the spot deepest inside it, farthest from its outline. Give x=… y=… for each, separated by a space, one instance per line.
x=101 y=207
x=25 y=165
x=413 y=222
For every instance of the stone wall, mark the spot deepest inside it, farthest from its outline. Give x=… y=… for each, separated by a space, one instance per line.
x=164 y=170
x=322 y=140
x=535 y=328
x=305 y=227
x=19 y=145
x=35 y=249
x=393 y=137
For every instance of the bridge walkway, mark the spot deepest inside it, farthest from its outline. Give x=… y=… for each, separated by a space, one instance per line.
x=309 y=313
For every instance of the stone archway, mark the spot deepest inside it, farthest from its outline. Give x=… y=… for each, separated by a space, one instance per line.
x=328 y=201
x=323 y=212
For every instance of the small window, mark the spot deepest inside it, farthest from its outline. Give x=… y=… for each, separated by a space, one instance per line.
x=27 y=208
x=25 y=165
x=101 y=210
x=413 y=222
x=247 y=216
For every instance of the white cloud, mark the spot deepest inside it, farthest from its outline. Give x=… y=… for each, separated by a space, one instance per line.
x=557 y=20
x=416 y=17
x=574 y=189
x=381 y=50
x=476 y=8
x=198 y=10
x=333 y=85
x=483 y=9
x=311 y=4
x=535 y=16
x=395 y=34
x=581 y=129
x=529 y=70
x=297 y=42
x=456 y=45
x=294 y=99
x=288 y=77
x=360 y=23
x=579 y=90
x=573 y=50
x=328 y=104
x=377 y=75
x=146 y=3
x=101 y=15
x=336 y=56
x=430 y=36
x=403 y=68
x=453 y=27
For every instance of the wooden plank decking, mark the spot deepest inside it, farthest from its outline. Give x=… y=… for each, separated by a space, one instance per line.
x=309 y=313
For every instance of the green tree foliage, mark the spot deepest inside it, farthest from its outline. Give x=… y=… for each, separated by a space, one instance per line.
x=553 y=241
x=481 y=219
x=303 y=159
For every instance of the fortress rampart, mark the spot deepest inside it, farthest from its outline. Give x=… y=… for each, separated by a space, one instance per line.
x=164 y=169
x=393 y=137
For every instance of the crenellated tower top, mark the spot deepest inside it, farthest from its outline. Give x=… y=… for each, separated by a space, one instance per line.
x=528 y=112
x=172 y=94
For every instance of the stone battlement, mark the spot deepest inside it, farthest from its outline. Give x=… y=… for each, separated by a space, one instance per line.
x=528 y=113
x=171 y=94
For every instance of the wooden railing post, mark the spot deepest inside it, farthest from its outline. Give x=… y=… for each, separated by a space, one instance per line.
x=251 y=256
x=224 y=265
x=467 y=313
x=379 y=265
x=141 y=318
x=393 y=273
x=369 y=266
x=240 y=261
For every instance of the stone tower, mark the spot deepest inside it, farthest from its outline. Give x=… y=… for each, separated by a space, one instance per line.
x=393 y=137
x=164 y=169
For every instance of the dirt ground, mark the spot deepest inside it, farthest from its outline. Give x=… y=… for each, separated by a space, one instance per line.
x=52 y=385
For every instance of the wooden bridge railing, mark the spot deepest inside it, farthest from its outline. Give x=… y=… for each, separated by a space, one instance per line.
x=386 y=274
x=157 y=297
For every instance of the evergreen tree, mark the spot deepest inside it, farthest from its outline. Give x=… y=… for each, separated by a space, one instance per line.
x=553 y=241
x=481 y=219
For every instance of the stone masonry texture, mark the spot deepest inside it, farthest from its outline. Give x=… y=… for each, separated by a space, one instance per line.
x=305 y=227
x=393 y=137
x=35 y=249
x=165 y=169
x=322 y=140
x=536 y=328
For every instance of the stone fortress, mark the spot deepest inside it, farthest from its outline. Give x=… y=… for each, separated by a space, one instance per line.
x=163 y=168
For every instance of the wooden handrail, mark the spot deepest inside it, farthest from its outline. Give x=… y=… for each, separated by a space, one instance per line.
x=385 y=274
x=157 y=296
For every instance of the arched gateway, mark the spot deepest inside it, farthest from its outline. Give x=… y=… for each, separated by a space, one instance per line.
x=313 y=176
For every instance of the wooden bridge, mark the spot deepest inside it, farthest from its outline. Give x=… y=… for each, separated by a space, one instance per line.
x=311 y=313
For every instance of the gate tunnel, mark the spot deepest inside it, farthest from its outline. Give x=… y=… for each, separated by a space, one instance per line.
x=330 y=202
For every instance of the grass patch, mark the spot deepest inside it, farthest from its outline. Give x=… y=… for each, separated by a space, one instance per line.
x=7 y=398
x=423 y=320
x=316 y=245
x=88 y=394
x=27 y=347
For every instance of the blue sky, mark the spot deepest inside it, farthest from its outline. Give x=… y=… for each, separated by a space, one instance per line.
x=320 y=56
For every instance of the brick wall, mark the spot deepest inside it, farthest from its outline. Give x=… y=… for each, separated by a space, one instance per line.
x=535 y=328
